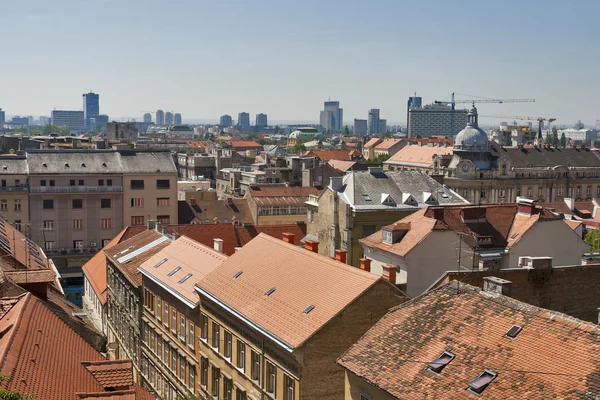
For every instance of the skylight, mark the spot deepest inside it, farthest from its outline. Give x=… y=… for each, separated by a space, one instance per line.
x=366 y=197
x=440 y=363
x=161 y=262
x=308 y=309
x=270 y=291
x=173 y=272
x=479 y=384
x=185 y=278
x=514 y=331
x=237 y=274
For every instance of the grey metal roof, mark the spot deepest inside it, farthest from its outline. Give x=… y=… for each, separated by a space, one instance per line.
x=12 y=165
x=399 y=186
x=147 y=162
x=546 y=157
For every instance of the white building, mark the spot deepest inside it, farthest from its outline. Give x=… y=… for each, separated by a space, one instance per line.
x=435 y=120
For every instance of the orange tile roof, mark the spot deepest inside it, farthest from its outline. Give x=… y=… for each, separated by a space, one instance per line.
x=553 y=357
x=148 y=242
x=300 y=278
x=388 y=144
x=186 y=257
x=43 y=356
x=341 y=166
x=573 y=224
x=206 y=234
x=246 y=233
x=131 y=231
x=420 y=155
x=31 y=276
x=326 y=155
x=373 y=142
x=111 y=373
x=117 y=395
x=243 y=143
x=95 y=268
x=18 y=251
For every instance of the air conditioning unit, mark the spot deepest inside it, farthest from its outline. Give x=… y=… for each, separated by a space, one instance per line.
x=92 y=244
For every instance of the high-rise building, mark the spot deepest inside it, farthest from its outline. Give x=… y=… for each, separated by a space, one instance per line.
x=413 y=102
x=225 y=121
x=360 y=127
x=74 y=120
x=177 y=119
x=332 y=116
x=16 y=120
x=261 y=120
x=91 y=107
x=244 y=121
x=2 y=117
x=435 y=120
x=44 y=120
x=100 y=122
x=373 y=121
x=382 y=125
x=147 y=117
x=169 y=118
x=160 y=117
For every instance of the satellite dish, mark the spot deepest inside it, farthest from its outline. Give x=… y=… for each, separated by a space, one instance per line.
x=11 y=151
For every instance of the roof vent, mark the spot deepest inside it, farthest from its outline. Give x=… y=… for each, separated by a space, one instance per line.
x=83 y=165
x=4 y=167
x=437 y=365
x=270 y=291
x=66 y=165
x=308 y=309
x=185 y=278
x=479 y=384
x=45 y=165
x=104 y=164
x=514 y=331
x=174 y=271
x=237 y=274
x=161 y=262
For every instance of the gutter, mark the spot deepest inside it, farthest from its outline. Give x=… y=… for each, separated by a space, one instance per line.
x=168 y=289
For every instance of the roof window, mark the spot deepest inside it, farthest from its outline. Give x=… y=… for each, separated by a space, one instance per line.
x=440 y=363
x=479 y=384
x=45 y=165
x=161 y=262
x=174 y=271
x=308 y=309
x=66 y=165
x=366 y=197
x=83 y=165
x=270 y=291
x=514 y=331
x=237 y=274
x=185 y=278
x=104 y=164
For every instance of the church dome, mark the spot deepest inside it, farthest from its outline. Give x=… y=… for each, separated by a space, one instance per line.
x=472 y=138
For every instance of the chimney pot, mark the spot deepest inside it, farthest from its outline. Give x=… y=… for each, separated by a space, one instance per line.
x=389 y=273
x=311 y=245
x=236 y=249
x=289 y=237
x=365 y=264
x=218 y=244
x=494 y=284
x=340 y=255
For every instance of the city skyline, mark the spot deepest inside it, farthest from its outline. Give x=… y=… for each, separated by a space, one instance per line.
x=424 y=52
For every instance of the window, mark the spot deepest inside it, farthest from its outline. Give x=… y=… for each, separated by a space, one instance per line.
x=3 y=205
x=216 y=336
x=48 y=245
x=166 y=317
x=18 y=224
x=137 y=220
x=163 y=184
x=271 y=375
x=159 y=346
x=182 y=368
x=166 y=359
x=137 y=184
x=152 y=341
x=77 y=224
x=162 y=202
x=137 y=202
x=216 y=375
x=364 y=397
x=228 y=339
x=17 y=182
x=368 y=230
x=174 y=360
x=72 y=182
x=78 y=244
x=48 y=225
x=106 y=223
x=228 y=389
x=441 y=362
x=109 y=182
x=192 y=377
x=366 y=197
x=100 y=182
x=241 y=355
x=204 y=371
x=77 y=203
x=182 y=330
x=53 y=182
x=48 y=204
x=203 y=327
x=17 y=205
x=479 y=384
x=529 y=192
x=163 y=219
x=288 y=385
x=43 y=182
x=173 y=320
x=503 y=169
x=254 y=365
x=105 y=242
x=388 y=237
x=483 y=193
x=240 y=395
x=514 y=331
x=589 y=190
x=191 y=335
x=158 y=308
x=465 y=193
x=578 y=190
x=502 y=193
x=105 y=203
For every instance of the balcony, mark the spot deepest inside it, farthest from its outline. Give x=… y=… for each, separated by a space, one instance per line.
x=16 y=189
x=77 y=189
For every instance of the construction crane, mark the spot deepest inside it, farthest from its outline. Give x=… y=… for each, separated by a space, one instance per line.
x=540 y=121
x=453 y=102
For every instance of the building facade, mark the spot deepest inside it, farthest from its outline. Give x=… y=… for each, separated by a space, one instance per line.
x=122 y=130
x=360 y=127
x=435 y=120
x=373 y=121
x=147 y=118
x=243 y=122
x=225 y=121
x=177 y=120
x=332 y=117
x=261 y=121
x=168 y=118
x=74 y=120
x=14 y=192
x=160 y=117
x=91 y=108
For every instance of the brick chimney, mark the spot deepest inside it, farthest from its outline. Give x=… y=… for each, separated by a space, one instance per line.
x=389 y=273
x=218 y=245
x=494 y=284
x=311 y=245
x=526 y=206
x=365 y=264
x=340 y=255
x=289 y=237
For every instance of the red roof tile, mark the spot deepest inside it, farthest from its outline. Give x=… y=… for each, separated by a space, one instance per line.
x=111 y=373
x=343 y=155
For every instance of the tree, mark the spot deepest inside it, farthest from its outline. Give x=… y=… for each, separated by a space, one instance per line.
x=593 y=238
x=298 y=148
x=563 y=140
x=346 y=131
x=555 y=139
x=378 y=160
x=548 y=139
x=276 y=131
x=51 y=129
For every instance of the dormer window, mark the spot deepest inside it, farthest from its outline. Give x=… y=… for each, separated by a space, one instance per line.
x=479 y=384
x=388 y=237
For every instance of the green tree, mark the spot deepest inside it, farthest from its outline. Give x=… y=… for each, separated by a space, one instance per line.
x=563 y=140
x=548 y=139
x=555 y=139
x=593 y=238
x=378 y=160
x=276 y=131
x=346 y=131
x=298 y=148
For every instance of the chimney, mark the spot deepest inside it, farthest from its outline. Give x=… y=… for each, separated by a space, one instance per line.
x=570 y=202
x=590 y=259
x=535 y=262
x=389 y=273
x=525 y=206
x=375 y=170
x=236 y=249
x=365 y=264
x=311 y=245
x=494 y=284
x=335 y=182
x=340 y=255
x=288 y=237
x=218 y=244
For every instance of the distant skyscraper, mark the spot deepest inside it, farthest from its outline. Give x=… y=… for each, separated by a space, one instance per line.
x=160 y=117
x=597 y=123
x=168 y=118
x=177 y=119
x=73 y=120
x=332 y=116
x=225 y=121
x=435 y=120
x=100 y=123
x=373 y=121
x=44 y=120
x=261 y=120
x=2 y=117
x=147 y=117
x=91 y=107
x=360 y=127
x=244 y=121
x=413 y=102
x=382 y=125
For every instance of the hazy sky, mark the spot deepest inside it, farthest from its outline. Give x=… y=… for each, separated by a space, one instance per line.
x=205 y=58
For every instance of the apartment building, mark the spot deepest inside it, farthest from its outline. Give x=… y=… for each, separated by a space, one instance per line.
x=170 y=318
x=266 y=333
x=14 y=196
x=272 y=205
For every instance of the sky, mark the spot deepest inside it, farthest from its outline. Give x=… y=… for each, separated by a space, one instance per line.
x=206 y=58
